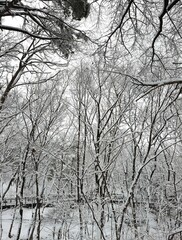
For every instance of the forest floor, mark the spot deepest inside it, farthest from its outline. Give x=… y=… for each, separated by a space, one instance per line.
x=67 y=228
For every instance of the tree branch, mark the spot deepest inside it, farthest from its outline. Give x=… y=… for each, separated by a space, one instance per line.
x=15 y=29
x=166 y=8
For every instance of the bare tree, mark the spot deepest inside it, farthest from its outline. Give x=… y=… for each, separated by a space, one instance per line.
x=127 y=142
x=146 y=34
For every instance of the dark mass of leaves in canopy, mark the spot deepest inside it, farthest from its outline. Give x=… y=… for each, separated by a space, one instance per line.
x=78 y=8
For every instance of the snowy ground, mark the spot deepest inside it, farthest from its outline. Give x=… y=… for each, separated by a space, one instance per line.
x=7 y=216
x=49 y=225
x=68 y=227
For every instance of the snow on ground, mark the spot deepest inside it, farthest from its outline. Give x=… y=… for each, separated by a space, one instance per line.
x=68 y=228
x=47 y=225
x=53 y=222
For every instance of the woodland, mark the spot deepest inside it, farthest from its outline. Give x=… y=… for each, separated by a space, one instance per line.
x=90 y=120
